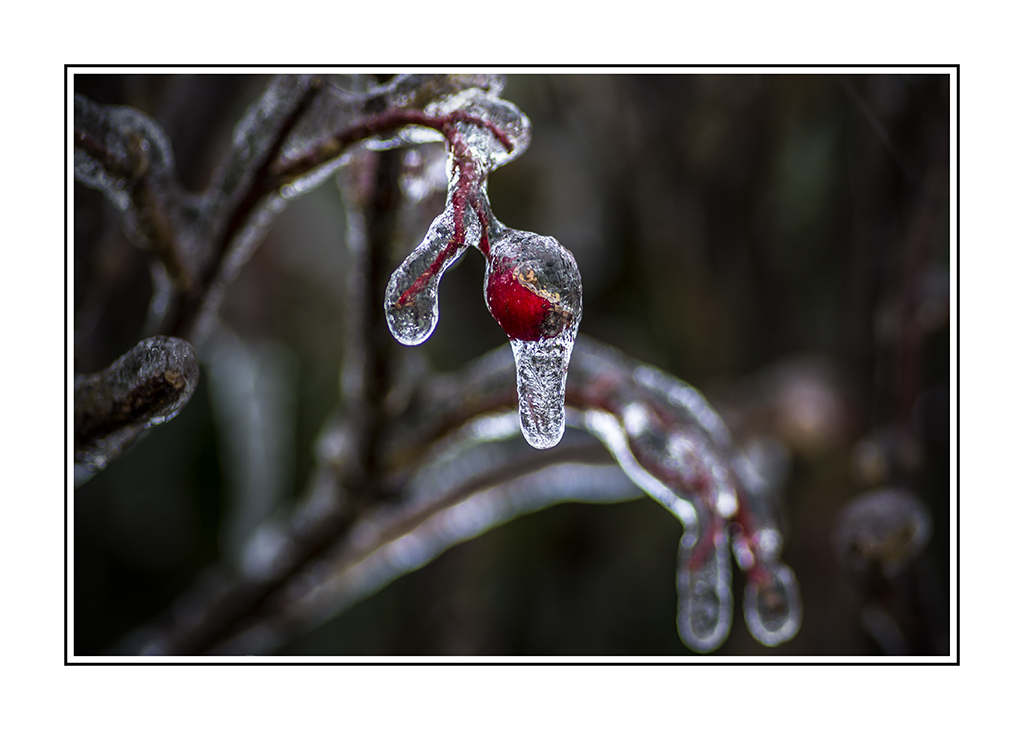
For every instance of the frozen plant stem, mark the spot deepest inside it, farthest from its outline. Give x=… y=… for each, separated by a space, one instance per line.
x=532 y=286
x=145 y=387
x=201 y=241
x=239 y=222
x=136 y=165
x=679 y=458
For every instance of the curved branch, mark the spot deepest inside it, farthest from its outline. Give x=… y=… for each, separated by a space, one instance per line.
x=145 y=387
x=124 y=153
x=331 y=554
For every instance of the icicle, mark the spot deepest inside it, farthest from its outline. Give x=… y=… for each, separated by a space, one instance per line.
x=540 y=381
x=705 y=595
x=772 y=606
x=533 y=290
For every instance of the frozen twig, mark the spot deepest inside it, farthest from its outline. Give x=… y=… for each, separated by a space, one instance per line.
x=124 y=153
x=370 y=356
x=145 y=387
x=244 y=199
x=279 y=148
x=691 y=469
x=202 y=241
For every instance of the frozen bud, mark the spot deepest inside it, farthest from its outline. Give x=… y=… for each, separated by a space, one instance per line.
x=532 y=286
x=533 y=290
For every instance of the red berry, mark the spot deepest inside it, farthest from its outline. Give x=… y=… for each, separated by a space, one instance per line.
x=532 y=286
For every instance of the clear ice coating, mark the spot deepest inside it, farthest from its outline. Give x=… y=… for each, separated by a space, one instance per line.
x=419 y=90
x=673 y=445
x=133 y=142
x=485 y=146
x=686 y=397
x=541 y=367
x=145 y=387
x=256 y=134
x=705 y=593
x=532 y=286
x=772 y=608
x=410 y=301
x=533 y=290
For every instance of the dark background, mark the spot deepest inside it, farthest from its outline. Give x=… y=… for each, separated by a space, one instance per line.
x=781 y=242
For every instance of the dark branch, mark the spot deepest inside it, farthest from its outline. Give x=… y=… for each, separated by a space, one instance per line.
x=145 y=387
x=134 y=154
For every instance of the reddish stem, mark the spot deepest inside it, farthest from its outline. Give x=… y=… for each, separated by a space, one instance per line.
x=389 y=121
x=485 y=245
x=468 y=182
x=435 y=266
x=467 y=172
x=705 y=543
x=603 y=394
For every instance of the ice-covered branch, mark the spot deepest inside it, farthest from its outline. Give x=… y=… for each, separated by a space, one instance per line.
x=301 y=571
x=370 y=364
x=288 y=142
x=457 y=468
x=395 y=540
x=676 y=448
x=145 y=387
x=382 y=503
x=202 y=241
x=244 y=198
x=125 y=154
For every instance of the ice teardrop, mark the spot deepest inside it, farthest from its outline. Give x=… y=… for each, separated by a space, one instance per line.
x=410 y=301
x=705 y=595
x=772 y=606
x=533 y=290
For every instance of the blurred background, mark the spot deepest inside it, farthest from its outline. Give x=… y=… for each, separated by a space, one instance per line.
x=780 y=242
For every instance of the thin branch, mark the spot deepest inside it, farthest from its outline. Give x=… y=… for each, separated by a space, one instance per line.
x=239 y=220
x=385 y=123
x=369 y=346
x=395 y=541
